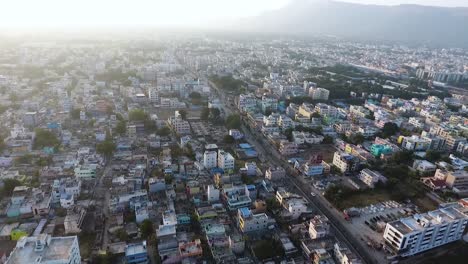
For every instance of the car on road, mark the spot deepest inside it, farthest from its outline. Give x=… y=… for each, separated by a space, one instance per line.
x=313 y=194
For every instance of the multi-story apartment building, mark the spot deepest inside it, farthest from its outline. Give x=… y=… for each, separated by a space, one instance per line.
x=275 y=173
x=249 y=222
x=344 y=255
x=326 y=110
x=246 y=102
x=287 y=148
x=345 y=162
x=269 y=103
x=370 y=177
x=225 y=160
x=319 y=227
x=306 y=110
x=210 y=159
x=319 y=93
x=136 y=253
x=153 y=95
x=412 y=235
x=180 y=126
x=457 y=180
x=45 y=249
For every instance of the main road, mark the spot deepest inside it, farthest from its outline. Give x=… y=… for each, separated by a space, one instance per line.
x=268 y=152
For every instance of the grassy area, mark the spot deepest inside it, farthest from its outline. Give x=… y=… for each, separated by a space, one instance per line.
x=86 y=241
x=365 y=198
x=425 y=204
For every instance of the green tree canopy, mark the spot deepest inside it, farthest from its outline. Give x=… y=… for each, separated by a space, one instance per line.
x=389 y=129
x=106 y=148
x=233 y=121
x=45 y=138
x=138 y=115
x=146 y=228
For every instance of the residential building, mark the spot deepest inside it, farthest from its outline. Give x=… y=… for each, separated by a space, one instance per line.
x=180 y=126
x=210 y=159
x=275 y=173
x=458 y=181
x=370 y=177
x=225 y=160
x=212 y=194
x=190 y=249
x=85 y=172
x=344 y=255
x=237 y=196
x=45 y=249
x=136 y=253
x=269 y=103
x=153 y=95
x=246 y=102
x=319 y=93
x=421 y=232
x=345 y=162
x=319 y=227
x=249 y=222
x=287 y=148
x=424 y=166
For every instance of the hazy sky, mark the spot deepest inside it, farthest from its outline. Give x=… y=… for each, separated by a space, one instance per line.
x=62 y=13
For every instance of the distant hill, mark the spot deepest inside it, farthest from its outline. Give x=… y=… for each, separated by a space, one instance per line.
x=411 y=24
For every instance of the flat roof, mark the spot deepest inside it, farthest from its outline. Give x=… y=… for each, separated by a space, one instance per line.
x=58 y=249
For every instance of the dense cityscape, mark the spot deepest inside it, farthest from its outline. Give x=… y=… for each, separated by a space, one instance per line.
x=209 y=148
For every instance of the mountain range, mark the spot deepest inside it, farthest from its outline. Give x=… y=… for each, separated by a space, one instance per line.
x=409 y=24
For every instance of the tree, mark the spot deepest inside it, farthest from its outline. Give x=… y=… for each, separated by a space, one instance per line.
x=433 y=156
x=164 y=131
x=138 y=115
x=183 y=114
x=45 y=138
x=327 y=140
x=195 y=95
x=106 y=148
x=75 y=114
x=121 y=127
x=8 y=187
x=122 y=234
x=205 y=113
x=146 y=228
x=316 y=114
x=215 y=113
x=233 y=121
x=389 y=129
x=228 y=139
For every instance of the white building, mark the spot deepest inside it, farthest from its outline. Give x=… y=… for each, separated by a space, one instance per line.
x=246 y=102
x=153 y=95
x=45 y=249
x=212 y=194
x=210 y=159
x=179 y=125
x=85 y=172
x=370 y=177
x=249 y=222
x=319 y=93
x=225 y=160
x=412 y=235
x=269 y=103
x=319 y=227
x=345 y=162
x=344 y=255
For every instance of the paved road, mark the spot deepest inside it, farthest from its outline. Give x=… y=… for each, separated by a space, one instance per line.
x=267 y=151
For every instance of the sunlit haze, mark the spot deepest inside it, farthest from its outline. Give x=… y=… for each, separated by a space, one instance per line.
x=58 y=13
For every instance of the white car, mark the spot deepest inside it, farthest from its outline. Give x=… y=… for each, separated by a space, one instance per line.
x=313 y=194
